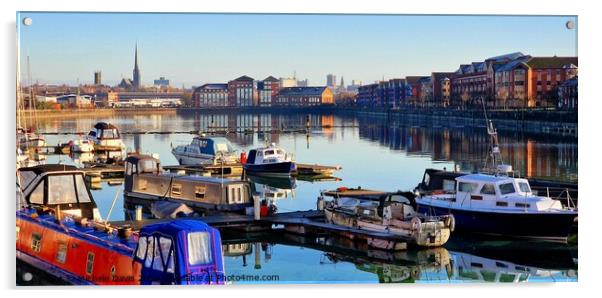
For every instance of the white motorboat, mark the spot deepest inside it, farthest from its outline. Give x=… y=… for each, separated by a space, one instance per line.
x=205 y=150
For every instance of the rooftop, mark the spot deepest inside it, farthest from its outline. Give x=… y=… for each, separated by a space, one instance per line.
x=551 y=62
x=317 y=91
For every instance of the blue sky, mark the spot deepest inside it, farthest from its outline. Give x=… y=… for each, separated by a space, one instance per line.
x=193 y=49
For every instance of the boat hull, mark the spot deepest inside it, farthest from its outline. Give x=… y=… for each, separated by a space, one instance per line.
x=272 y=169
x=544 y=226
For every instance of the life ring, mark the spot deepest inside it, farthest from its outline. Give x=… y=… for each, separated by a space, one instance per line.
x=416 y=224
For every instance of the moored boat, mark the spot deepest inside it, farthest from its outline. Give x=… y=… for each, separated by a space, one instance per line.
x=205 y=150
x=394 y=213
x=145 y=181
x=81 y=146
x=270 y=161
x=59 y=232
x=106 y=137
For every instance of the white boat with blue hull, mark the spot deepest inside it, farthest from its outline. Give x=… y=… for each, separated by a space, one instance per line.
x=205 y=150
x=270 y=161
x=500 y=205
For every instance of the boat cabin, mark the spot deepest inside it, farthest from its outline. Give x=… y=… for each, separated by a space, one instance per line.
x=104 y=131
x=145 y=180
x=499 y=192
x=59 y=187
x=267 y=155
x=375 y=204
x=211 y=146
x=438 y=180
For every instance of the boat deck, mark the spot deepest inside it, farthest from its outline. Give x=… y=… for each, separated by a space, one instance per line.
x=233 y=169
x=315 y=169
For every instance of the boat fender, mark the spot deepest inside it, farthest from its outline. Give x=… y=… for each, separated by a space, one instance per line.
x=416 y=224
x=450 y=222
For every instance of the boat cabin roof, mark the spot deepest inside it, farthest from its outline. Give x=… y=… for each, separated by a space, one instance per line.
x=41 y=169
x=135 y=158
x=483 y=178
x=104 y=125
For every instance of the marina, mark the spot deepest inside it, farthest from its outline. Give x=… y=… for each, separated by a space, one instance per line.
x=288 y=207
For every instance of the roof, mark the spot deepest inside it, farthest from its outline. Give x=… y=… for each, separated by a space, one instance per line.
x=174 y=227
x=213 y=86
x=424 y=80
x=413 y=79
x=482 y=178
x=271 y=79
x=510 y=56
x=303 y=91
x=551 y=62
x=49 y=168
x=104 y=125
x=244 y=78
x=512 y=64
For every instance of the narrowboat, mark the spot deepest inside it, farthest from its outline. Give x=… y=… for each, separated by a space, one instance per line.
x=394 y=213
x=270 y=161
x=146 y=182
x=500 y=205
x=205 y=150
x=105 y=137
x=59 y=232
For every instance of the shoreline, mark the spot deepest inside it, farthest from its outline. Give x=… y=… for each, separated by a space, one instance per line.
x=528 y=120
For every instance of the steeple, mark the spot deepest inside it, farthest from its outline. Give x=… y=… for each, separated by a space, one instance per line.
x=136 y=76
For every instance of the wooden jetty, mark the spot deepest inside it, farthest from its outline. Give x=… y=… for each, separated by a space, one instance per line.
x=96 y=172
x=316 y=170
x=305 y=223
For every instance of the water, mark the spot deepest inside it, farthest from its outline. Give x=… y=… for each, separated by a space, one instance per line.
x=374 y=153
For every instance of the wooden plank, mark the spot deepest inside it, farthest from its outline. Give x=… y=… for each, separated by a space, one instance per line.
x=354 y=193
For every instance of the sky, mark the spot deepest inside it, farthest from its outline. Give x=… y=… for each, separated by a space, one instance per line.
x=193 y=49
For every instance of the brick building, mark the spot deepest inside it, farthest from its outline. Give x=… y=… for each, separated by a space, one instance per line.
x=305 y=96
x=241 y=92
x=210 y=95
x=267 y=91
x=567 y=94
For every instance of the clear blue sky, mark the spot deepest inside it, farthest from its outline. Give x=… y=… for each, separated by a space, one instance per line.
x=193 y=49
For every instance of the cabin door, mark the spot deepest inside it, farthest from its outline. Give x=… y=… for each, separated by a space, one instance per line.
x=130 y=171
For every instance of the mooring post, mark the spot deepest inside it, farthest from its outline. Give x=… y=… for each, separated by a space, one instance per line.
x=138 y=212
x=256 y=208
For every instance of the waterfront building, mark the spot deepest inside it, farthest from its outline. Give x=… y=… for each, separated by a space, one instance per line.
x=136 y=83
x=441 y=85
x=289 y=82
x=412 y=89
x=75 y=100
x=567 y=94
x=210 y=95
x=532 y=81
x=425 y=94
x=97 y=78
x=302 y=83
x=267 y=91
x=241 y=92
x=366 y=95
x=305 y=96
x=161 y=82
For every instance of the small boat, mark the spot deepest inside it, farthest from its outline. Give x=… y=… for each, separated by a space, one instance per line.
x=29 y=140
x=496 y=203
x=205 y=150
x=270 y=161
x=81 y=146
x=146 y=182
x=59 y=232
x=394 y=213
x=105 y=137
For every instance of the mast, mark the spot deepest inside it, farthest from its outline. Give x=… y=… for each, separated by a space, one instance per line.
x=494 y=156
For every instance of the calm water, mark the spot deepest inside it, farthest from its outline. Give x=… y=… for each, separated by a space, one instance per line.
x=374 y=153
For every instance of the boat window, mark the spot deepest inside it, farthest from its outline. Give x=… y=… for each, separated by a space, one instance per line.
x=501 y=204
x=92 y=133
x=176 y=189
x=199 y=248
x=37 y=196
x=449 y=185
x=82 y=192
x=427 y=179
x=259 y=153
x=128 y=169
x=507 y=188
x=524 y=187
x=221 y=147
x=400 y=199
x=25 y=178
x=141 y=250
x=466 y=187
x=279 y=152
x=61 y=254
x=150 y=252
x=36 y=242
x=488 y=189
x=522 y=205
x=110 y=134
x=61 y=190
x=269 y=152
x=90 y=263
x=163 y=255
x=147 y=166
x=199 y=192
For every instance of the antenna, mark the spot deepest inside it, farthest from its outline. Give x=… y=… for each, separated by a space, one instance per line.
x=494 y=149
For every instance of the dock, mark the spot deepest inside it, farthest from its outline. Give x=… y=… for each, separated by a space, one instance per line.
x=304 y=223
x=229 y=170
x=316 y=170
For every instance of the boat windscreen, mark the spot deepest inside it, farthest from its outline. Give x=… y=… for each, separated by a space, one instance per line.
x=199 y=248
x=61 y=190
x=348 y=202
x=25 y=178
x=222 y=147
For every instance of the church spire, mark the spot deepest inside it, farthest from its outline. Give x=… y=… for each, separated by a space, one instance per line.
x=136 y=74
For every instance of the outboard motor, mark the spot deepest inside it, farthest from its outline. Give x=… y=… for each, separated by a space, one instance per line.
x=180 y=252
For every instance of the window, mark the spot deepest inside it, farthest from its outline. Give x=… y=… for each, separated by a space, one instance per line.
x=176 y=189
x=61 y=190
x=82 y=192
x=90 y=263
x=141 y=250
x=507 y=188
x=199 y=248
x=521 y=205
x=466 y=187
x=449 y=185
x=488 y=189
x=36 y=242
x=524 y=187
x=269 y=152
x=61 y=254
x=37 y=196
x=199 y=192
x=501 y=204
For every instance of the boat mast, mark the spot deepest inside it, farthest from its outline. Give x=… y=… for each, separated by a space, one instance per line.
x=494 y=156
